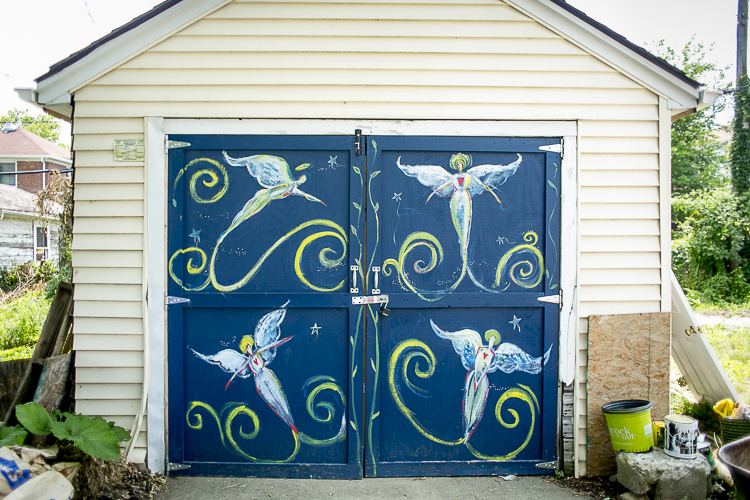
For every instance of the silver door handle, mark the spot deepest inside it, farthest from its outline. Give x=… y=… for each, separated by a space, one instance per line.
x=376 y=290
x=354 y=288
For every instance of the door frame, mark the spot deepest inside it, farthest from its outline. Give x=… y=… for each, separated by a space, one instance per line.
x=155 y=250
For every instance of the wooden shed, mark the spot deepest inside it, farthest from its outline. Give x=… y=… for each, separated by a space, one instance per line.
x=392 y=218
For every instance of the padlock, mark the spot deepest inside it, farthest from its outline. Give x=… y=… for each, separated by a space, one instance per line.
x=385 y=312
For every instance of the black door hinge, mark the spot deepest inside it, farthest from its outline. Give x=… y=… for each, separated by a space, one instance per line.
x=358 y=142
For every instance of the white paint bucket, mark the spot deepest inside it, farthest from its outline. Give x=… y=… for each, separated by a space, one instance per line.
x=681 y=436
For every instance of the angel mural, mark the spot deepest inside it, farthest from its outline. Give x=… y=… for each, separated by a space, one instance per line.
x=461 y=187
x=481 y=360
x=274 y=174
x=257 y=352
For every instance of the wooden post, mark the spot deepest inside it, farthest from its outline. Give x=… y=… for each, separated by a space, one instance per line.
x=741 y=40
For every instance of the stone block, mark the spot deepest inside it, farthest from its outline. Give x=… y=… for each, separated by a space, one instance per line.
x=670 y=478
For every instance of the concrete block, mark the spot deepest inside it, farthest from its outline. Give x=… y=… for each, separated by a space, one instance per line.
x=670 y=478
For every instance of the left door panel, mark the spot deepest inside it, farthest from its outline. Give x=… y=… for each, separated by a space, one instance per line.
x=263 y=359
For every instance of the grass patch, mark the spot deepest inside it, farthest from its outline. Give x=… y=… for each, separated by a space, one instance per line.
x=732 y=347
x=21 y=322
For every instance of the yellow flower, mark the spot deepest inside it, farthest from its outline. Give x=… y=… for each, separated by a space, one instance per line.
x=725 y=407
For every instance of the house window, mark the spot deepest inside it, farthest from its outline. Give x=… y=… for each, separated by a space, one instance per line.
x=41 y=242
x=10 y=180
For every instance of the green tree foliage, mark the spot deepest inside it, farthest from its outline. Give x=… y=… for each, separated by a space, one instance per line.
x=707 y=244
x=42 y=125
x=699 y=159
x=740 y=151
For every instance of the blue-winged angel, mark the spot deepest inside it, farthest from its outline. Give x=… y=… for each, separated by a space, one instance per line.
x=461 y=187
x=258 y=350
x=481 y=360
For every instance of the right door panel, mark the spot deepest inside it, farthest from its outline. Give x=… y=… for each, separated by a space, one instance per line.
x=463 y=238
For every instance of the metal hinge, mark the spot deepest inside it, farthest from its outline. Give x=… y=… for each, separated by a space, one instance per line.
x=170 y=300
x=358 y=142
x=547 y=465
x=554 y=148
x=552 y=299
x=177 y=144
x=173 y=466
x=370 y=299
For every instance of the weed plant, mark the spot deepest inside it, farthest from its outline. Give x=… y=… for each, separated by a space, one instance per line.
x=21 y=321
x=732 y=347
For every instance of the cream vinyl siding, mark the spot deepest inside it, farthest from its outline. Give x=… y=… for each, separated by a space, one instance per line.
x=427 y=59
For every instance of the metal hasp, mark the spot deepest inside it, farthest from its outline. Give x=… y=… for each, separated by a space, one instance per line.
x=173 y=466
x=552 y=299
x=370 y=299
x=546 y=465
x=354 y=270
x=358 y=142
x=170 y=300
x=177 y=144
x=553 y=148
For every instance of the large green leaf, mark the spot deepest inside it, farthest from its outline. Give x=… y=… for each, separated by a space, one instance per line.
x=35 y=418
x=121 y=434
x=11 y=436
x=91 y=435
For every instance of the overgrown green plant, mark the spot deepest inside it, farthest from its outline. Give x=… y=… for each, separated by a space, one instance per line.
x=94 y=436
x=26 y=273
x=740 y=150
x=703 y=412
x=56 y=199
x=21 y=321
x=707 y=243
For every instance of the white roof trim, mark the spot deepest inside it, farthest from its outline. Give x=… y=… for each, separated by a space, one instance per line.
x=55 y=159
x=57 y=89
x=609 y=51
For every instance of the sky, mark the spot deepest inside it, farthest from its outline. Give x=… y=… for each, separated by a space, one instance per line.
x=39 y=33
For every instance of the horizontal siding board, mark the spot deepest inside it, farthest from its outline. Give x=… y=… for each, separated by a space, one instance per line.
x=619 y=211
x=100 y=142
x=107 y=208
x=101 y=158
x=326 y=93
x=619 y=277
x=105 y=275
x=107 y=309
x=97 y=192
x=108 y=406
x=483 y=78
x=363 y=61
x=633 y=293
x=630 y=161
x=110 y=342
x=104 y=391
x=125 y=421
x=104 y=359
x=85 y=126
x=615 y=128
x=115 y=175
x=108 y=326
x=618 y=307
x=356 y=11
x=620 y=144
x=619 y=178
x=602 y=194
x=396 y=45
x=367 y=28
x=109 y=375
x=619 y=227
x=91 y=258
x=355 y=110
x=645 y=260
x=107 y=241
x=107 y=225
x=619 y=244
x=120 y=293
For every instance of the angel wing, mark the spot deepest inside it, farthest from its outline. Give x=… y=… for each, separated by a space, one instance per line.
x=465 y=342
x=267 y=332
x=268 y=170
x=493 y=176
x=431 y=176
x=228 y=360
x=510 y=358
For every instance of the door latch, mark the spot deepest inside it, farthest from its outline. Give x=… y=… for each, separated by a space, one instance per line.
x=369 y=299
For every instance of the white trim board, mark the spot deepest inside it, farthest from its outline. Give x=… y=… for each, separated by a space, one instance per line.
x=156 y=198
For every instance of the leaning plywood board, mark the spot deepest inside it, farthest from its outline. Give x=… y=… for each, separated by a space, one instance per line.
x=628 y=359
x=694 y=355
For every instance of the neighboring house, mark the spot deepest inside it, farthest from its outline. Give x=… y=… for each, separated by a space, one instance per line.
x=24 y=151
x=24 y=236
x=299 y=341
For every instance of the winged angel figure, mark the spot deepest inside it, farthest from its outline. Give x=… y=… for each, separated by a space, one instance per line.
x=274 y=174
x=257 y=352
x=461 y=187
x=481 y=360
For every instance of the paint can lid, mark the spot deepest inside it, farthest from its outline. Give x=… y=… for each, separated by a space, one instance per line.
x=680 y=419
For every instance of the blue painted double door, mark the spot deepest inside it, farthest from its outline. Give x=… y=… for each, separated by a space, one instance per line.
x=345 y=306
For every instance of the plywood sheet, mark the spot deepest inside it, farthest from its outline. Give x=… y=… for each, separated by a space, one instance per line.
x=628 y=358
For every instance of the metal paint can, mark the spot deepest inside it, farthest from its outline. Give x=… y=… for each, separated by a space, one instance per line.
x=681 y=436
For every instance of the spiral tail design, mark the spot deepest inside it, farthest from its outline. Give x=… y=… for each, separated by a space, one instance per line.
x=522 y=265
x=328 y=409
